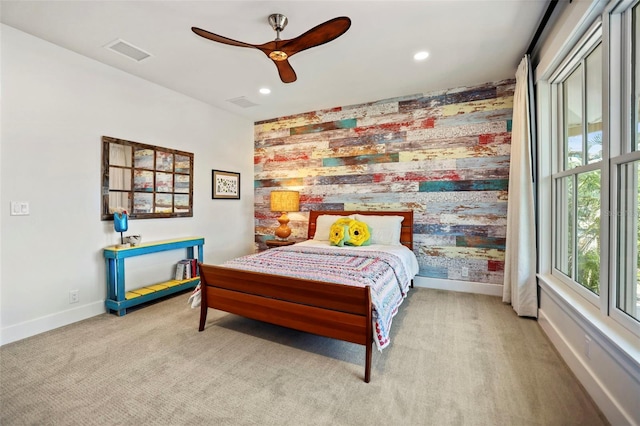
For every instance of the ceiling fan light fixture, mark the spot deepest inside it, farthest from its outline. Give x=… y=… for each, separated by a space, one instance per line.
x=278 y=55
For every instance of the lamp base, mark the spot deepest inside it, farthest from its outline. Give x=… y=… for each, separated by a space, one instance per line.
x=283 y=231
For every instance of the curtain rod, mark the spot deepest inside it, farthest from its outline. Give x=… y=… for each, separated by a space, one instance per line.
x=543 y=24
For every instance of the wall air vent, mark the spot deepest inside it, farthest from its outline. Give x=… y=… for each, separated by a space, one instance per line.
x=242 y=102
x=128 y=50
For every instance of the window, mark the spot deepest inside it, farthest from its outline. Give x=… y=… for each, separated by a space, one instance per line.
x=145 y=180
x=577 y=172
x=595 y=170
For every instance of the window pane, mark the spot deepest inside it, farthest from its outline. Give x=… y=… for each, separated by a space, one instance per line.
x=594 y=105
x=119 y=155
x=564 y=225
x=588 y=230
x=628 y=285
x=573 y=144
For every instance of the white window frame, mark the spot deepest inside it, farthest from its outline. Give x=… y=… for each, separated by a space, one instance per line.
x=592 y=38
x=614 y=32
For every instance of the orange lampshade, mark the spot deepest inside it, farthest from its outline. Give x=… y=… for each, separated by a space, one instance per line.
x=285 y=201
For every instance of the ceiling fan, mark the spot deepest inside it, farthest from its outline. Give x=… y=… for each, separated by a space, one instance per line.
x=280 y=50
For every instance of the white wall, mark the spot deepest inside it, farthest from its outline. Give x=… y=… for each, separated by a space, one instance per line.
x=603 y=355
x=55 y=106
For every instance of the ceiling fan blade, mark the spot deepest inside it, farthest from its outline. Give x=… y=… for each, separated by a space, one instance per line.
x=279 y=50
x=219 y=38
x=317 y=35
x=287 y=74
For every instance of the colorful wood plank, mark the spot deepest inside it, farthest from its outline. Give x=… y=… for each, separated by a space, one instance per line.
x=444 y=155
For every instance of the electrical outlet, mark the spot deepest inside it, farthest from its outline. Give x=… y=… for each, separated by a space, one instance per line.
x=587 y=346
x=74 y=296
x=465 y=272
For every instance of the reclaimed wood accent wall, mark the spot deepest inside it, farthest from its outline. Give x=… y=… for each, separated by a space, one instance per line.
x=444 y=155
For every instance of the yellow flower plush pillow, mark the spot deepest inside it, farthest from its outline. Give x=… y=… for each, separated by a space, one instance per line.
x=349 y=231
x=338 y=232
x=359 y=234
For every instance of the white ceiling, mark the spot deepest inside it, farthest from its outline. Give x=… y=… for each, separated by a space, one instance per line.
x=470 y=42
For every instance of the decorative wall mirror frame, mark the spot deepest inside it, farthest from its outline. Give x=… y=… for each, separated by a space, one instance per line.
x=145 y=180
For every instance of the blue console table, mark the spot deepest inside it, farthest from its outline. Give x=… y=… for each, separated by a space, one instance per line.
x=118 y=300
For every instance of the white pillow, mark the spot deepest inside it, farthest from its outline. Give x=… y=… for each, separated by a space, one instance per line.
x=323 y=225
x=384 y=229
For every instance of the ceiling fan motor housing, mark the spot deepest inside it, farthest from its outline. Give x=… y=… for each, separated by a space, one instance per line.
x=278 y=21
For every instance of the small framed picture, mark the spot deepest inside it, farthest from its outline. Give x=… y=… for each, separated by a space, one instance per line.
x=225 y=185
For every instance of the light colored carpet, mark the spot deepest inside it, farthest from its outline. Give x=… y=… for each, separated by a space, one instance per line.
x=455 y=359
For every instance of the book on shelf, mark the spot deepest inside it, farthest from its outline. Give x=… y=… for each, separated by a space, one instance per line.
x=186 y=269
x=194 y=267
x=179 y=271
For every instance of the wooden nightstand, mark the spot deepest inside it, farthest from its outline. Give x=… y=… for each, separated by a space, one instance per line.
x=279 y=243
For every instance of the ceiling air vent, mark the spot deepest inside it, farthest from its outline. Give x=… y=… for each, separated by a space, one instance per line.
x=242 y=102
x=128 y=50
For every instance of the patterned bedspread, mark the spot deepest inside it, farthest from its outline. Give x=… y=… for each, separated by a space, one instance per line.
x=384 y=272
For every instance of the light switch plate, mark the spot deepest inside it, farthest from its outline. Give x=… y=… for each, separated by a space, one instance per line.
x=19 y=208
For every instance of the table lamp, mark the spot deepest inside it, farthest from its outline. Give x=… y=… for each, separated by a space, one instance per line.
x=284 y=202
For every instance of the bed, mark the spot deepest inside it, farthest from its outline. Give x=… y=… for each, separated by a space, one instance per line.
x=327 y=308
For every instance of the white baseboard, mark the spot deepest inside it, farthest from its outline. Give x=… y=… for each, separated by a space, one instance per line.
x=601 y=353
x=60 y=319
x=50 y=322
x=454 y=285
x=614 y=412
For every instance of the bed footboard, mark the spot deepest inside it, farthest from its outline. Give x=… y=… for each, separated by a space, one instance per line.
x=326 y=309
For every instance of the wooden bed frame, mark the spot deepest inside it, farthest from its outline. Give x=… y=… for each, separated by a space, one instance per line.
x=337 y=311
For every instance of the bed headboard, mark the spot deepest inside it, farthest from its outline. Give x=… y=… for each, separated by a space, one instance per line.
x=406 y=231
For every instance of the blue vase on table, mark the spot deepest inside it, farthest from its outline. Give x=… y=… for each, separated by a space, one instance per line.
x=120 y=224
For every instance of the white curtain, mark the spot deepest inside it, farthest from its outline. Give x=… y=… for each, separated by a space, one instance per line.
x=520 y=288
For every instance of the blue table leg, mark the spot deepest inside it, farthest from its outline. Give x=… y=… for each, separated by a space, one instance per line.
x=120 y=284
x=200 y=256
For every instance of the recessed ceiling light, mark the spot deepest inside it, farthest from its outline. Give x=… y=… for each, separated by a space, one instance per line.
x=421 y=56
x=265 y=91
